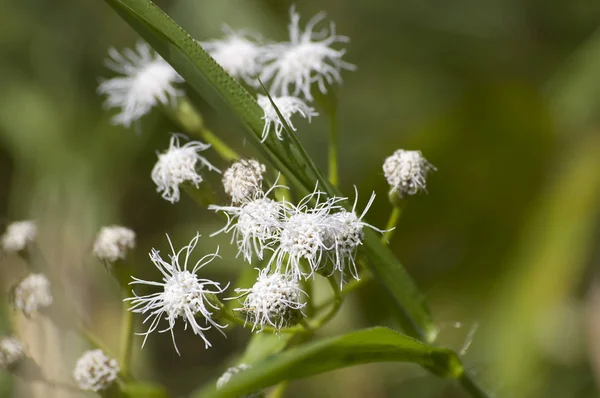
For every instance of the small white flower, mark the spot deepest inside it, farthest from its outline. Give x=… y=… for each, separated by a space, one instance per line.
x=406 y=172
x=147 y=81
x=18 y=236
x=307 y=58
x=238 y=54
x=11 y=352
x=242 y=181
x=287 y=106
x=230 y=373
x=255 y=224
x=305 y=235
x=94 y=371
x=274 y=300
x=113 y=242
x=183 y=294
x=32 y=294
x=177 y=165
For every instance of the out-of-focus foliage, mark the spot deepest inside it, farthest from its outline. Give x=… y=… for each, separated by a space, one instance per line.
x=500 y=95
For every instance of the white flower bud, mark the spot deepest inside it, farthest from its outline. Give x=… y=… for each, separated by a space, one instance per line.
x=95 y=371
x=274 y=300
x=18 y=236
x=230 y=374
x=242 y=181
x=113 y=242
x=406 y=172
x=32 y=294
x=287 y=106
x=11 y=352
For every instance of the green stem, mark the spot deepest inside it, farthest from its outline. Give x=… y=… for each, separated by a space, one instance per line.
x=470 y=385
x=390 y=228
x=336 y=301
x=219 y=145
x=230 y=316
x=126 y=340
x=278 y=391
x=333 y=150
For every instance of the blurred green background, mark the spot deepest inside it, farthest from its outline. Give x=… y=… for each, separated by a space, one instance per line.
x=502 y=96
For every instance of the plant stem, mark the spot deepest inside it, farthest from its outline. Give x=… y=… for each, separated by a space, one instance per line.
x=337 y=303
x=219 y=145
x=333 y=150
x=230 y=316
x=126 y=340
x=390 y=228
x=279 y=390
x=470 y=385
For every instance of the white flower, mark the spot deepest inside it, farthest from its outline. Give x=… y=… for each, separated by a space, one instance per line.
x=274 y=300
x=113 y=242
x=18 y=236
x=147 y=81
x=287 y=106
x=345 y=235
x=305 y=235
x=238 y=54
x=183 y=294
x=242 y=181
x=11 y=352
x=177 y=165
x=32 y=294
x=255 y=224
x=230 y=373
x=307 y=58
x=94 y=371
x=406 y=172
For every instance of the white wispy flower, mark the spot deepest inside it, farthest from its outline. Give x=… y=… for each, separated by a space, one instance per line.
x=305 y=234
x=287 y=106
x=242 y=181
x=307 y=58
x=147 y=80
x=255 y=224
x=95 y=371
x=275 y=300
x=406 y=172
x=230 y=374
x=113 y=242
x=238 y=54
x=182 y=294
x=32 y=294
x=177 y=165
x=18 y=236
x=11 y=352
x=344 y=237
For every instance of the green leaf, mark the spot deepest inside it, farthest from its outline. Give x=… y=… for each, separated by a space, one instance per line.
x=366 y=346
x=263 y=345
x=144 y=390
x=209 y=80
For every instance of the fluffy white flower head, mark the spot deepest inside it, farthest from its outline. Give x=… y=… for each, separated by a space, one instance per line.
x=11 y=352
x=182 y=294
x=113 y=242
x=18 y=235
x=94 y=371
x=32 y=294
x=238 y=54
x=287 y=106
x=177 y=165
x=242 y=181
x=255 y=224
x=146 y=81
x=274 y=301
x=406 y=172
x=307 y=58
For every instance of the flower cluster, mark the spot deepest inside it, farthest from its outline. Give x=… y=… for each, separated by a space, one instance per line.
x=112 y=243
x=95 y=371
x=406 y=172
x=11 y=352
x=32 y=294
x=18 y=236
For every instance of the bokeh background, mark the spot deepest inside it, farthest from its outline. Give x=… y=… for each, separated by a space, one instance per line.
x=502 y=96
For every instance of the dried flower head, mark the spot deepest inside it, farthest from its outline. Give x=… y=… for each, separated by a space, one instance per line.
x=406 y=172
x=238 y=54
x=32 y=294
x=18 y=236
x=182 y=294
x=242 y=181
x=11 y=352
x=177 y=165
x=113 y=242
x=146 y=81
x=287 y=106
x=274 y=300
x=230 y=374
x=94 y=371
x=307 y=58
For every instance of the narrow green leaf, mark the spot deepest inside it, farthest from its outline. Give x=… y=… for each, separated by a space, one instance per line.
x=209 y=80
x=144 y=390
x=263 y=345
x=365 y=346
